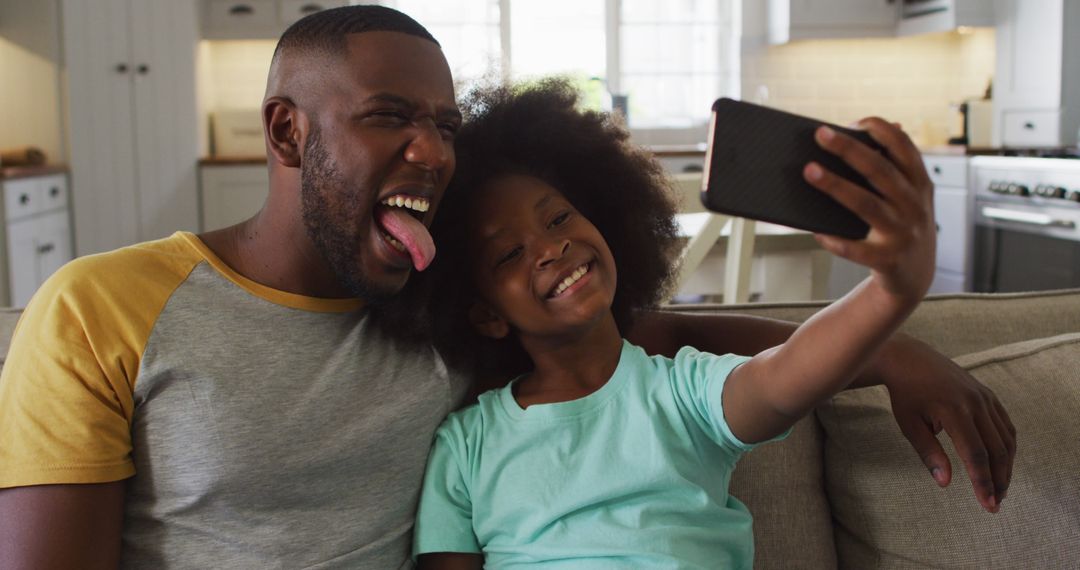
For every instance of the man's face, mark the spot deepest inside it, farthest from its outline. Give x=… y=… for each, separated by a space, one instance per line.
x=377 y=159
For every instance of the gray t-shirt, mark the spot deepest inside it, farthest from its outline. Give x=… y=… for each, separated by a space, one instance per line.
x=265 y=429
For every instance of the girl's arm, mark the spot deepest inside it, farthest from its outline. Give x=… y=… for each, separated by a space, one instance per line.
x=769 y=393
x=450 y=561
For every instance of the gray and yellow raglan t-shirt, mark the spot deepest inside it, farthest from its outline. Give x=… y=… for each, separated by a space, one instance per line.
x=256 y=428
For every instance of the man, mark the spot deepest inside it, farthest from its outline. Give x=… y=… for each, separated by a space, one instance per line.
x=225 y=400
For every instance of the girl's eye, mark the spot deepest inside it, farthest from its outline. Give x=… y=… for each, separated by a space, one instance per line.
x=560 y=219
x=509 y=256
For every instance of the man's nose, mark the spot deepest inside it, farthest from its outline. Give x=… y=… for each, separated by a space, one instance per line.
x=428 y=149
x=552 y=250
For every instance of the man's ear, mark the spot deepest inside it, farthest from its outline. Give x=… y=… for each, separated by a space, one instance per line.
x=487 y=322
x=282 y=122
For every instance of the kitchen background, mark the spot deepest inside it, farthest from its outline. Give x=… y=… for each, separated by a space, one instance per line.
x=178 y=145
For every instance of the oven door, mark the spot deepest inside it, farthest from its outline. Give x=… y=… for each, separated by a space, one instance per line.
x=1024 y=248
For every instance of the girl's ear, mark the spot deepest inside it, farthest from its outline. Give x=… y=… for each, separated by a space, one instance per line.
x=487 y=322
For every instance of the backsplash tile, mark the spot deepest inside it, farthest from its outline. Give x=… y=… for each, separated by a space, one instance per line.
x=915 y=81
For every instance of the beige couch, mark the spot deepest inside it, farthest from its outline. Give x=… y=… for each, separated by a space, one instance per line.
x=846 y=489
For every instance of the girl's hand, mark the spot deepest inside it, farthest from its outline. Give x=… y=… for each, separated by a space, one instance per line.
x=900 y=247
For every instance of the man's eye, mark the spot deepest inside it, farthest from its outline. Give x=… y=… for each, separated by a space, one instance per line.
x=449 y=129
x=396 y=116
x=560 y=219
x=508 y=256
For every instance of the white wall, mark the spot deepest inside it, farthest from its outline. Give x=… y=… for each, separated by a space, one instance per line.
x=30 y=105
x=913 y=80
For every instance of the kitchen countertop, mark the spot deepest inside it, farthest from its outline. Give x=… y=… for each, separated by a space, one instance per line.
x=231 y=160
x=14 y=172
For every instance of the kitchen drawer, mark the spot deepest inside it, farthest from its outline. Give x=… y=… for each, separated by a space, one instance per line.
x=223 y=16
x=293 y=10
x=946 y=170
x=53 y=192
x=28 y=196
x=951 y=214
x=21 y=198
x=1031 y=128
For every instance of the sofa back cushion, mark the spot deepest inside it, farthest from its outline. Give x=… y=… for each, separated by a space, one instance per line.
x=954 y=324
x=889 y=512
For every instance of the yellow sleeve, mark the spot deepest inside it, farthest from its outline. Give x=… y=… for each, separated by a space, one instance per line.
x=66 y=390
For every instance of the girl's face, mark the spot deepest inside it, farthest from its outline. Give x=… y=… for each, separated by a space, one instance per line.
x=542 y=269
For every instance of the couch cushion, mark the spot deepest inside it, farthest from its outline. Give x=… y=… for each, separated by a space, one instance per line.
x=953 y=324
x=889 y=512
x=783 y=485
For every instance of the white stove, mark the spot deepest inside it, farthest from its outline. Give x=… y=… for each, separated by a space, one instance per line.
x=1027 y=222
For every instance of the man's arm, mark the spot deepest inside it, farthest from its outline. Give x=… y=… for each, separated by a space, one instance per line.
x=928 y=391
x=61 y=526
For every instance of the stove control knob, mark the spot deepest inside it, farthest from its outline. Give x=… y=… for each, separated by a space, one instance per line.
x=1073 y=195
x=1057 y=192
x=996 y=186
x=1018 y=190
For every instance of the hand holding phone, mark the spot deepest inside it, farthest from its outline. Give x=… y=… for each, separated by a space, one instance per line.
x=754 y=169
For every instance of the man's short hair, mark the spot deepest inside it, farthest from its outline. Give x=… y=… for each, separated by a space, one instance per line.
x=325 y=31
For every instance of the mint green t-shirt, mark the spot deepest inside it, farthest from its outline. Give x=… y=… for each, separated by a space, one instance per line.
x=634 y=475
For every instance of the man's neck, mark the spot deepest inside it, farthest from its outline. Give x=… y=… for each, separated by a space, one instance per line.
x=275 y=255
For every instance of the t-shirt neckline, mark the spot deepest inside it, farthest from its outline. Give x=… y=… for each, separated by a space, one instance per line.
x=276 y=296
x=569 y=408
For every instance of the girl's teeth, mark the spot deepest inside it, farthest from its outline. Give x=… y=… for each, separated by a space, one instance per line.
x=566 y=283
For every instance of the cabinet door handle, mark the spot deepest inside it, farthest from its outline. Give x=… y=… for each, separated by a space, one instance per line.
x=54 y=192
x=310 y=8
x=121 y=68
x=1029 y=126
x=241 y=10
x=24 y=199
x=143 y=69
x=937 y=170
x=45 y=248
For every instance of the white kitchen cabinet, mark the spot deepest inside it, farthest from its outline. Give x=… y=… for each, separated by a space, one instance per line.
x=231 y=193
x=133 y=133
x=1037 y=76
x=952 y=212
x=924 y=17
x=37 y=235
x=790 y=20
x=256 y=19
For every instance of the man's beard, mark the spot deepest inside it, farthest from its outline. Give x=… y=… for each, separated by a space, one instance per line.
x=332 y=224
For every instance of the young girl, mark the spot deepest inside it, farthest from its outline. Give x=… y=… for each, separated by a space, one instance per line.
x=597 y=455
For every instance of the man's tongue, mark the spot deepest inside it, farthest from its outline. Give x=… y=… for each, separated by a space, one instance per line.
x=410 y=232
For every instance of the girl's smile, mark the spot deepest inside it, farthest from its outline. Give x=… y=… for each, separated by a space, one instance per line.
x=577 y=279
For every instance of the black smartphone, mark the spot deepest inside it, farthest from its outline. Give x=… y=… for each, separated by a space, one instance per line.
x=754 y=164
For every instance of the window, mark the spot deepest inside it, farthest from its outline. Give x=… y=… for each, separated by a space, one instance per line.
x=671 y=59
